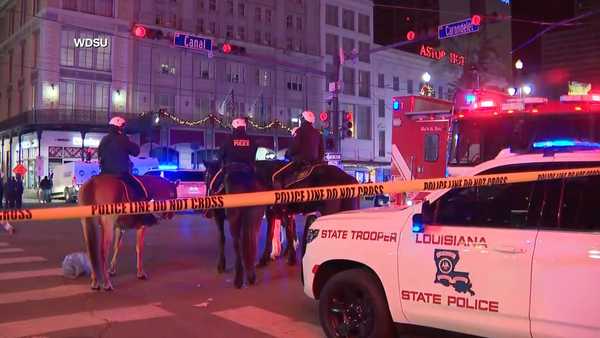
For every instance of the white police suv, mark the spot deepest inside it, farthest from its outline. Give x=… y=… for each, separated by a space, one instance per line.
x=512 y=260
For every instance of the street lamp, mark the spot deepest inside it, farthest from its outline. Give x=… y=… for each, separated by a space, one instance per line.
x=526 y=89
x=519 y=64
x=426 y=77
x=512 y=91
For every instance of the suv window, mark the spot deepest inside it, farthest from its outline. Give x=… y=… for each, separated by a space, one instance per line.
x=579 y=204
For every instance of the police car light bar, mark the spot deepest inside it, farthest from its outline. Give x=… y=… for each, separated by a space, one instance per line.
x=564 y=143
x=167 y=167
x=580 y=98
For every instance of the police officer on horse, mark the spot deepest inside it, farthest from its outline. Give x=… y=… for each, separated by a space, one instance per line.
x=307 y=149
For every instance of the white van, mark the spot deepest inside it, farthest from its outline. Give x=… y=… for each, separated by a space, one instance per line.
x=69 y=177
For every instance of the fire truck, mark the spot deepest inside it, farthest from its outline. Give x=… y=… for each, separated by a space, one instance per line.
x=436 y=138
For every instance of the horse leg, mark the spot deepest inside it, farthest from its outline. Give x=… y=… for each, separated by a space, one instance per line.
x=290 y=234
x=310 y=219
x=139 y=250
x=266 y=256
x=235 y=228
x=220 y=221
x=119 y=235
x=250 y=241
x=106 y=239
x=91 y=245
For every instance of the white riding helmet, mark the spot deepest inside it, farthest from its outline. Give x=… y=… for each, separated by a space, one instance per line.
x=238 y=122
x=308 y=116
x=117 y=121
x=294 y=131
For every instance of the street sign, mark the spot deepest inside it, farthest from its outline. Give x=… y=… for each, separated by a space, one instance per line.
x=20 y=169
x=333 y=156
x=189 y=41
x=458 y=28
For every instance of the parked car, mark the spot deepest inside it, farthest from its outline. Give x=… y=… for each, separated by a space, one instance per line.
x=191 y=182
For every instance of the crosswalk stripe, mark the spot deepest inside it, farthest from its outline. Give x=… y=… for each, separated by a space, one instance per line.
x=30 y=274
x=11 y=250
x=44 y=294
x=28 y=259
x=271 y=323
x=3 y=244
x=32 y=327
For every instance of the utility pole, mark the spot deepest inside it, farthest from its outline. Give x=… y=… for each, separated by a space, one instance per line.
x=335 y=120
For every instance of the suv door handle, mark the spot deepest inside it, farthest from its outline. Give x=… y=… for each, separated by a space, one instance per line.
x=509 y=249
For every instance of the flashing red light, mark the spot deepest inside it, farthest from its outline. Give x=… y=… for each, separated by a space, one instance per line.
x=511 y=111
x=476 y=20
x=323 y=116
x=226 y=48
x=487 y=104
x=140 y=31
x=534 y=110
x=495 y=113
x=349 y=116
x=578 y=108
x=315 y=268
x=461 y=115
x=410 y=35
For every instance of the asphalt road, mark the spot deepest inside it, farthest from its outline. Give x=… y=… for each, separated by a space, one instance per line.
x=184 y=297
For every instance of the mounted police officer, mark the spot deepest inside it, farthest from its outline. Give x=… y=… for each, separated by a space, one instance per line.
x=307 y=149
x=114 y=151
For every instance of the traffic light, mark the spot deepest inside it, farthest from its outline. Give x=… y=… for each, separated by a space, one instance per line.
x=325 y=124
x=348 y=124
x=410 y=35
x=227 y=48
x=144 y=32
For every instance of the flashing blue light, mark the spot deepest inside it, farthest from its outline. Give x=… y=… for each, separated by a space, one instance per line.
x=470 y=98
x=167 y=167
x=396 y=105
x=562 y=143
x=418 y=228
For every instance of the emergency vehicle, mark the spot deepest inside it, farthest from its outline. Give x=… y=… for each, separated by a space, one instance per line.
x=511 y=260
x=69 y=177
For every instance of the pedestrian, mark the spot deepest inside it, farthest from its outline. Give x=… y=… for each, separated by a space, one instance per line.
x=1 y=191
x=19 y=189
x=9 y=192
x=46 y=187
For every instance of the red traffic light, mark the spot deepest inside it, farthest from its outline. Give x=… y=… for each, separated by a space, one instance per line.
x=349 y=116
x=140 y=31
x=323 y=116
x=410 y=35
x=476 y=20
x=226 y=48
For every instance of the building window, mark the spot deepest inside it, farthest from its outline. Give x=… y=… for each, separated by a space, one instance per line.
x=329 y=75
x=234 y=72
x=331 y=15
x=203 y=69
x=22 y=65
x=396 y=84
x=409 y=86
x=101 y=97
x=298 y=45
x=212 y=28
x=200 y=5
x=242 y=9
x=166 y=101
x=84 y=55
x=381 y=81
x=258 y=14
x=23 y=11
x=347 y=45
x=86 y=6
x=381 y=106
x=289 y=21
x=299 y=24
x=258 y=37
x=348 y=78
x=104 y=7
x=432 y=145
x=67 y=48
x=70 y=4
x=66 y=94
x=168 y=64
x=364 y=84
x=364 y=24
x=331 y=44
x=263 y=78
x=382 y=143
x=35 y=46
x=200 y=26
x=363 y=122
x=229 y=32
x=289 y=44
x=268 y=39
x=212 y=5
x=83 y=96
x=363 y=52
x=268 y=15
x=440 y=92
x=348 y=19
x=10 y=65
x=241 y=33
x=230 y=7
x=294 y=82
x=21 y=101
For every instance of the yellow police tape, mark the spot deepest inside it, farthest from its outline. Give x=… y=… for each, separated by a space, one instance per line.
x=286 y=196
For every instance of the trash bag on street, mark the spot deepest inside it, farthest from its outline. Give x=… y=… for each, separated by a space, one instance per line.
x=76 y=264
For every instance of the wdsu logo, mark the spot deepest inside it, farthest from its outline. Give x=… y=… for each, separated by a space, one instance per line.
x=445 y=262
x=90 y=42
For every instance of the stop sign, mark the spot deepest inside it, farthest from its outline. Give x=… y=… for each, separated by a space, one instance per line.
x=20 y=169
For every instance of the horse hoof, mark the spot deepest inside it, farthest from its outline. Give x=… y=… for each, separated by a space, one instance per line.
x=108 y=286
x=221 y=267
x=95 y=286
x=112 y=272
x=238 y=282
x=142 y=276
x=263 y=262
x=252 y=279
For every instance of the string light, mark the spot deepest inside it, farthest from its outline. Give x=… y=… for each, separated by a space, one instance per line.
x=275 y=124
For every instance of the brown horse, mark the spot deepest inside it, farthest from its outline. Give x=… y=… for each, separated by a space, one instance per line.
x=103 y=189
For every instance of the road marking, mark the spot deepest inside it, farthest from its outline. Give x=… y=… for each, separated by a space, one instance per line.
x=30 y=274
x=271 y=323
x=3 y=244
x=32 y=327
x=44 y=294
x=28 y=259
x=11 y=250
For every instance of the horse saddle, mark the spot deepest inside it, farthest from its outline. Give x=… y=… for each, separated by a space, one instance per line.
x=217 y=183
x=293 y=177
x=135 y=189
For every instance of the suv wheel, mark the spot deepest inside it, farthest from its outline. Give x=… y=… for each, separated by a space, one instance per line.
x=352 y=304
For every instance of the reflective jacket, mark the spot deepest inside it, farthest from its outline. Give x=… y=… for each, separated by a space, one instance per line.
x=307 y=145
x=239 y=148
x=114 y=151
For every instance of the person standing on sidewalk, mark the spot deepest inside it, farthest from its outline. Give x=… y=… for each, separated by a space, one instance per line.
x=1 y=191
x=9 y=192
x=19 y=189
